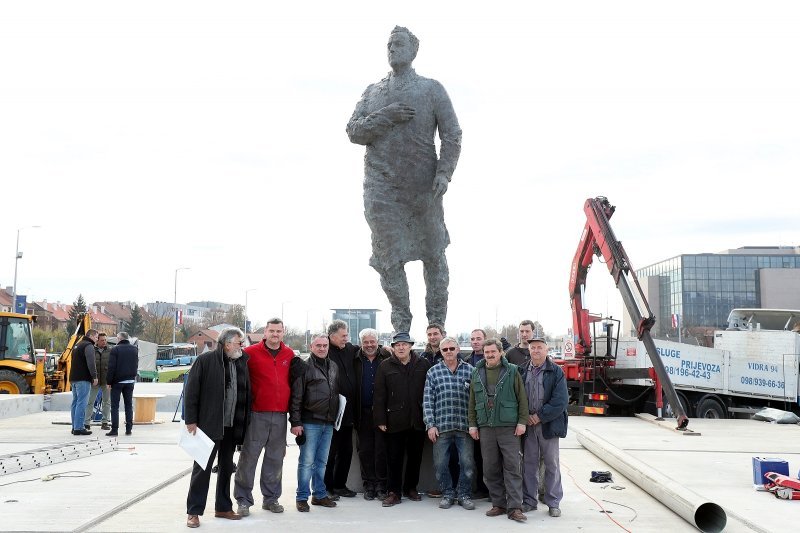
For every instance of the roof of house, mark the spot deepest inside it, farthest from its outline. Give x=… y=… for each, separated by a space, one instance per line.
x=61 y=312
x=210 y=333
x=117 y=310
x=5 y=297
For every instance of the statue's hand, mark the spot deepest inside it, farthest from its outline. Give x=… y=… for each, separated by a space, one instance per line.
x=440 y=185
x=398 y=112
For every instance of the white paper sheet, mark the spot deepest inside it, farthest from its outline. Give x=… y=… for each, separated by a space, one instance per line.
x=340 y=414
x=198 y=446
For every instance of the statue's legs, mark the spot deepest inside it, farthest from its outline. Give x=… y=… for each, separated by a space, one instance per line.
x=437 y=278
x=395 y=285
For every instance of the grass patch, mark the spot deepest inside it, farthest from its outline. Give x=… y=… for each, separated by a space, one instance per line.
x=166 y=376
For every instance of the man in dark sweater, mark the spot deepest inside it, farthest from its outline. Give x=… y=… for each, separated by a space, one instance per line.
x=340 y=455
x=82 y=375
x=123 y=364
x=519 y=354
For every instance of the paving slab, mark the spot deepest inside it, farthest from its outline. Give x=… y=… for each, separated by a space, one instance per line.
x=142 y=487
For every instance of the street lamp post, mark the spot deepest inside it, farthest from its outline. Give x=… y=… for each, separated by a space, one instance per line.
x=245 y=309
x=17 y=257
x=175 y=303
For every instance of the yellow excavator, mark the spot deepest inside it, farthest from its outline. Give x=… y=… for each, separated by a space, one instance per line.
x=21 y=369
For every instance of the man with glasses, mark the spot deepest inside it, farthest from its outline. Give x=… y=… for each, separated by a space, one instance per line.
x=217 y=401
x=445 y=403
x=270 y=363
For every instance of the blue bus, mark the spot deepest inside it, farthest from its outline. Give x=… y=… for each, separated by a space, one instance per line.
x=177 y=354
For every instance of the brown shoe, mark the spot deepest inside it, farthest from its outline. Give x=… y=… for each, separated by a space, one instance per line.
x=391 y=499
x=495 y=511
x=302 y=506
x=413 y=495
x=192 y=520
x=230 y=515
x=324 y=502
x=517 y=515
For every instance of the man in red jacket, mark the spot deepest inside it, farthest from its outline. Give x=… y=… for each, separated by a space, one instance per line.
x=269 y=365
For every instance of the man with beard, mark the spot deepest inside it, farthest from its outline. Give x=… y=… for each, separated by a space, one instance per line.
x=217 y=400
x=370 y=441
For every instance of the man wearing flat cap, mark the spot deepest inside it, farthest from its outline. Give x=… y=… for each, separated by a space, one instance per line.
x=397 y=411
x=546 y=388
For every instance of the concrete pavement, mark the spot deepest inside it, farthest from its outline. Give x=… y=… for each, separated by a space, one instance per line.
x=142 y=486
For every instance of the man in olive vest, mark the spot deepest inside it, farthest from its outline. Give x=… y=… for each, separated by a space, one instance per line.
x=498 y=414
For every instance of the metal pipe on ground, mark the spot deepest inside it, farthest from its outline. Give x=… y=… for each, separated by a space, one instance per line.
x=705 y=515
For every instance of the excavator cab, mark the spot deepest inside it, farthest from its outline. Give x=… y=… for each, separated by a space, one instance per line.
x=17 y=356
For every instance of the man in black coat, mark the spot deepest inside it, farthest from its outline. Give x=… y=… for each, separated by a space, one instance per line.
x=342 y=353
x=217 y=401
x=397 y=411
x=123 y=365
x=82 y=376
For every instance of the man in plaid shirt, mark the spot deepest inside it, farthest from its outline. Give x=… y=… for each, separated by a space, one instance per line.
x=444 y=406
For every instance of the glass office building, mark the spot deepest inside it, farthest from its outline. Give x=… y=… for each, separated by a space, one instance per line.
x=357 y=319
x=703 y=288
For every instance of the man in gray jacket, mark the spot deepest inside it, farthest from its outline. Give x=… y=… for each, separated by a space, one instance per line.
x=101 y=353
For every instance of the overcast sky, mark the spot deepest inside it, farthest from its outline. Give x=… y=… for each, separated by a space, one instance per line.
x=146 y=136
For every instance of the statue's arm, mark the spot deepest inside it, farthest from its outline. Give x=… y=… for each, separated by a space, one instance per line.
x=449 y=134
x=365 y=127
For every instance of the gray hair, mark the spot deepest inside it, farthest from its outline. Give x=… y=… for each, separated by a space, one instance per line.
x=336 y=325
x=316 y=336
x=227 y=335
x=368 y=332
x=121 y=336
x=451 y=340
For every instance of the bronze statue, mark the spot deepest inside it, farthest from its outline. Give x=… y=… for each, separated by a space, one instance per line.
x=405 y=179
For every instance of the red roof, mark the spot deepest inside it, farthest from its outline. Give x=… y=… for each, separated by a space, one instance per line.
x=60 y=313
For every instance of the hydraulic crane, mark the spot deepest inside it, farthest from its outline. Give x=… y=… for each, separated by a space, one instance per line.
x=598 y=239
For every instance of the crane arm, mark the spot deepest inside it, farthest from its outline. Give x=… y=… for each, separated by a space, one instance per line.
x=598 y=239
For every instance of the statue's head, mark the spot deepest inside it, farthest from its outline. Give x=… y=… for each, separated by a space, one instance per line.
x=402 y=47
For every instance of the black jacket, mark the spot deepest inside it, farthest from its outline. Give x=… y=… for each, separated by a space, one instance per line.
x=398 y=394
x=204 y=395
x=315 y=392
x=83 y=367
x=383 y=353
x=432 y=357
x=344 y=358
x=123 y=363
x=520 y=357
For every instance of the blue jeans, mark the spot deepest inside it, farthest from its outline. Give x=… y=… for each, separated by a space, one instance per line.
x=313 y=458
x=461 y=442
x=80 y=395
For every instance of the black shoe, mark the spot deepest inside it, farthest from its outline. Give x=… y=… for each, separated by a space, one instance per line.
x=369 y=494
x=333 y=497
x=345 y=492
x=128 y=432
x=81 y=432
x=381 y=494
x=105 y=426
x=111 y=433
x=87 y=426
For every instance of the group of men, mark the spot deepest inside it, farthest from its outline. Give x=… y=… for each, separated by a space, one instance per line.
x=482 y=413
x=97 y=367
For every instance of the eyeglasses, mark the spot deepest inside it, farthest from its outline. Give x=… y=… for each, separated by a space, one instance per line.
x=450 y=349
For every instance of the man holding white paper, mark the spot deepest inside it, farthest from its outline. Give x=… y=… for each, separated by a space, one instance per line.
x=313 y=410
x=217 y=401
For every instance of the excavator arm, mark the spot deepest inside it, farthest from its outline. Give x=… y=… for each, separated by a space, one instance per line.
x=598 y=239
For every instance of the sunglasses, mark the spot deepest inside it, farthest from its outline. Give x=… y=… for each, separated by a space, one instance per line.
x=451 y=349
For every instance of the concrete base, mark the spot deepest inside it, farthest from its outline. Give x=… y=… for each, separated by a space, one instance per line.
x=62 y=401
x=12 y=405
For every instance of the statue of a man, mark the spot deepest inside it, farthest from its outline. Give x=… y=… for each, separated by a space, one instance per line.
x=405 y=179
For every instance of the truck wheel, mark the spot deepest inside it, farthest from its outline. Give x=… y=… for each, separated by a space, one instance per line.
x=12 y=383
x=709 y=407
x=669 y=413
